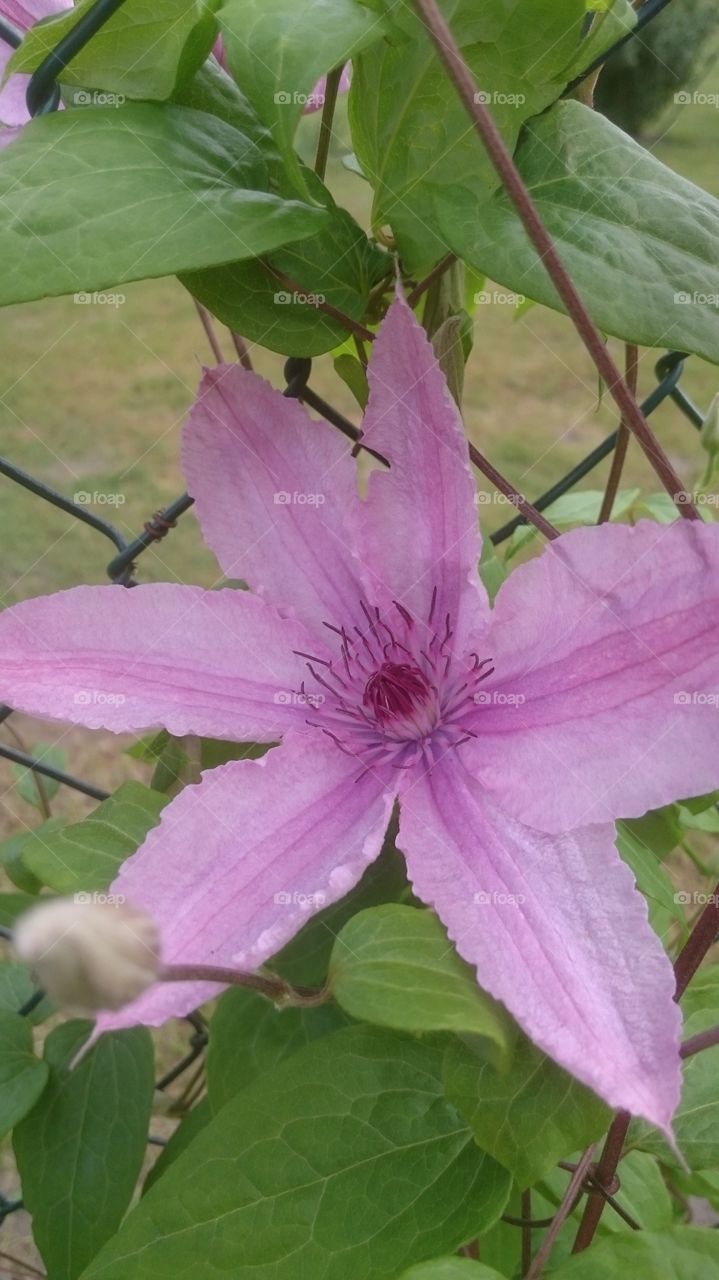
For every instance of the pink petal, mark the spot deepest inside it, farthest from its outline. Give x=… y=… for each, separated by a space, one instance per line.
x=214 y=663
x=240 y=862
x=609 y=639
x=419 y=528
x=557 y=933
x=273 y=488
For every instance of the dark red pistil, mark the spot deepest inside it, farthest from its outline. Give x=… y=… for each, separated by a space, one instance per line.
x=395 y=691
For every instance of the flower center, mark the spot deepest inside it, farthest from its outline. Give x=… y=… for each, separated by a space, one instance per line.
x=397 y=691
x=401 y=692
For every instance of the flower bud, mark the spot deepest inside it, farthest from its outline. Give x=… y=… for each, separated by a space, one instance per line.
x=87 y=954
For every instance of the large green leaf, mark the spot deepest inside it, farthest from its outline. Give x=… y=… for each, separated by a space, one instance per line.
x=139 y=51
x=80 y=1150
x=528 y=1117
x=22 y=1076
x=93 y=197
x=395 y=966
x=451 y=1269
x=339 y=265
x=344 y=1162
x=249 y=1036
x=87 y=855
x=410 y=131
x=278 y=49
x=686 y=1253
x=640 y=242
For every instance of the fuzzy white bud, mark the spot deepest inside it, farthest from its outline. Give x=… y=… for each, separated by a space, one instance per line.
x=88 y=954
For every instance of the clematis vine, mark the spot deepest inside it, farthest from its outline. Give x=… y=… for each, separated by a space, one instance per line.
x=23 y=14
x=511 y=737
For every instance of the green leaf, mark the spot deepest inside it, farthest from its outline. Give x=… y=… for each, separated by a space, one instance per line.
x=652 y=880
x=185 y=1133
x=686 y=1253
x=278 y=50
x=80 y=1150
x=13 y=905
x=616 y=214
x=338 y=266
x=16 y=988
x=22 y=1076
x=305 y=959
x=696 y=1120
x=90 y=198
x=26 y=780
x=249 y=1036
x=658 y=830
x=643 y=1194
x=11 y=851
x=411 y=134
x=580 y=508
x=344 y=1162
x=139 y=51
x=87 y=855
x=451 y=1269
x=395 y=966
x=354 y=376
x=528 y=1117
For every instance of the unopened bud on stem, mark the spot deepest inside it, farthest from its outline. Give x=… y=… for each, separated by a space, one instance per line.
x=89 y=955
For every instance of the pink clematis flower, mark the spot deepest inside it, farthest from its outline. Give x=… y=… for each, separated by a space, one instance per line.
x=512 y=737
x=23 y=14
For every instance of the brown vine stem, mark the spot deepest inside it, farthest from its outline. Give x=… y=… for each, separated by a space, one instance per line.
x=529 y=512
x=423 y=285
x=701 y=938
x=466 y=88
x=243 y=354
x=695 y=1044
x=332 y=85
x=269 y=985
x=569 y=1200
x=631 y=373
x=209 y=331
x=526 y=1231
